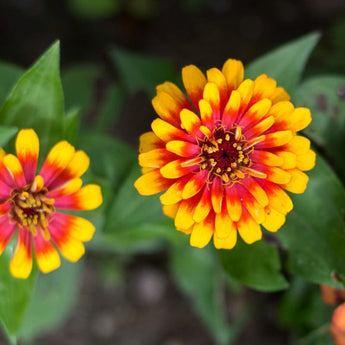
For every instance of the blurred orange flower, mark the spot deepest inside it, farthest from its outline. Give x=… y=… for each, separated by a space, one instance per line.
x=338 y=325
x=332 y=295
x=225 y=151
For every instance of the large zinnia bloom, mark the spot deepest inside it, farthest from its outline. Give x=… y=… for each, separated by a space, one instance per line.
x=29 y=203
x=225 y=152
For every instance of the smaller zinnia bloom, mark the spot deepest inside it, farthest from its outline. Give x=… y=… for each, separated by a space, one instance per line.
x=332 y=295
x=29 y=204
x=338 y=325
x=225 y=152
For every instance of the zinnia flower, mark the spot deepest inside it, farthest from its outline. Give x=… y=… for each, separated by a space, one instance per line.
x=338 y=325
x=225 y=152
x=29 y=204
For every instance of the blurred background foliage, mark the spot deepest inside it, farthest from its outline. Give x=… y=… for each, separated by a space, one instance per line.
x=140 y=282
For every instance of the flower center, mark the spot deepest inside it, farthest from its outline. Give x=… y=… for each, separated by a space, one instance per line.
x=32 y=209
x=225 y=153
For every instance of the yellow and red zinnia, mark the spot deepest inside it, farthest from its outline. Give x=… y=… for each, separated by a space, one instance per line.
x=225 y=151
x=29 y=203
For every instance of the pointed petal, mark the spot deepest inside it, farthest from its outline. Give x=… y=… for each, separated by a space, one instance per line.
x=183 y=148
x=167 y=108
x=233 y=203
x=177 y=169
x=231 y=109
x=27 y=149
x=7 y=230
x=202 y=232
x=275 y=139
x=156 y=158
x=248 y=228
x=174 y=192
x=246 y=90
x=152 y=183
x=87 y=198
x=194 y=81
x=47 y=256
x=70 y=248
x=206 y=113
x=266 y=158
x=21 y=262
x=223 y=223
x=167 y=132
x=190 y=121
x=217 y=193
x=57 y=160
x=277 y=198
x=212 y=96
x=76 y=167
x=15 y=169
x=255 y=113
x=149 y=141
x=195 y=184
x=233 y=71
x=214 y=75
x=184 y=216
x=174 y=91
x=259 y=128
x=255 y=190
x=204 y=206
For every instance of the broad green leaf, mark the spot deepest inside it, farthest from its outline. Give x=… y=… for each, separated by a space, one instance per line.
x=91 y=9
x=314 y=233
x=301 y=309
x=325 y=96
x=197 y=274
x=15 y=295
x=256 y=265
x=109 y=157
x=6 y=134
x=110 y=109
x=142 y=73
x=79 y=85
x=9 y=75
x=286 y=63
x=134 y=221
x=53 y=299
x=36 y=101
x=71 y=125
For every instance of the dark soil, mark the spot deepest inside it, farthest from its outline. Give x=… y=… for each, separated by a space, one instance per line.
x=146 y=308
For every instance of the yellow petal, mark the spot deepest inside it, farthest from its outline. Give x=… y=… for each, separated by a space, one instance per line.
x=167 y=107
x=279 y=95
x=151 y=183
x=173 y=90
x=201 y=234
x=171 y=210
x=227 y=242
x=184 y=216
x=297 y=183
x=289 y=159
x=298 y=145
x=274 y=220
x=306 y=161
x=249 y=230
x=149 y=141
x=194 y=82
x=233 y=71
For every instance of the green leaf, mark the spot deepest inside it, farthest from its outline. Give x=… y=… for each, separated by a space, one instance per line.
x=256 y=265
x=79 y=85
x=325 y=96
x=111 y=108
x=71 y=125
x=91 y=9
x=314 y=233
x=135 y=221
x=36 y=101
x=15 y=295
x=197 y=275
x=54 y=298
x=142 y=73
x=286 y=63
x=6 y=134
x=9 y=75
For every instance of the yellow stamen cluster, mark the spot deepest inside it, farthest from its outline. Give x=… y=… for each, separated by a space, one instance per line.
x=32 y=209
x=225 y=153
